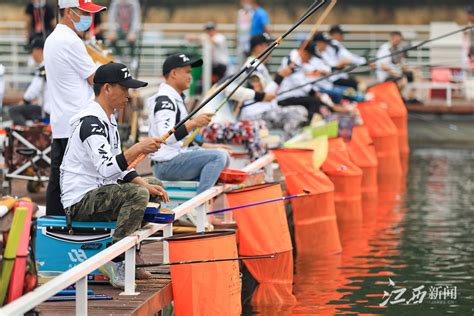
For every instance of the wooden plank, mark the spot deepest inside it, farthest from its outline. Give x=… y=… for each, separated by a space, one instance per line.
x=154 y=294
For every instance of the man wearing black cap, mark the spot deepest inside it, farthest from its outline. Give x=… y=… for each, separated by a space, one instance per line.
x=344 y=57
x=36 y=91
x=166 y=108
x=96 y=184
x=335 y=55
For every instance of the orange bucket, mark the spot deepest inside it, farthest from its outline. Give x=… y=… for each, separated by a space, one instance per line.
x=312 y=213
x=232 y=176
x=388 y=93
x=347 y=179
x=205 y=288
x=362 y=152
x=263 y=230
x=384 y=134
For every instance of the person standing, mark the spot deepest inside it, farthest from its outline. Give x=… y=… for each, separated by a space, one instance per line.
x=260 y=19
x=220 y=52
x=39 y=19
x=70 y=72
x=124 y=24
x=244 y=25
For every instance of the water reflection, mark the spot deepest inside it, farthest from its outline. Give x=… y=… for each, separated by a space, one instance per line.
x=421 y=238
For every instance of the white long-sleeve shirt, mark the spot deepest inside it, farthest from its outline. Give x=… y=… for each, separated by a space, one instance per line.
x=335 y=53
x=37 y=89
x=302 y=75
x=93 y=157
x=167 y=108
x=383 y=51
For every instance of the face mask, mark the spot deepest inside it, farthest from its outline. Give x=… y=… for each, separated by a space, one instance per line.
x=84 y=23
x=39 y=4
x=247 y=7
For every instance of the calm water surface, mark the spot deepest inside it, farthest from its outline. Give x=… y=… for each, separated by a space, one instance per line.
x=418 y=251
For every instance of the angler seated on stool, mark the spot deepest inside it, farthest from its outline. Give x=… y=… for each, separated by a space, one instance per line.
x=174 y=161
x=96 y=184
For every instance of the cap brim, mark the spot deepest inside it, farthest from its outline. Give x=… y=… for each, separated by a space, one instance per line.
x=195 y=63
x=92 y=7
x=133 y=84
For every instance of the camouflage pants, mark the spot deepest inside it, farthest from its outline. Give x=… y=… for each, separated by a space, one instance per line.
x=124 y=203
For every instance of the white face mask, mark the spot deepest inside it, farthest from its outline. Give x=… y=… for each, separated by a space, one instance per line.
x=39 y=4
x=247 y=7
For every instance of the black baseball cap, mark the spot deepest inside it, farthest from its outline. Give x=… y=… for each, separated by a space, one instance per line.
x=117 y=73
x=260 y=39
x=210 y=26
x=310 y=48
x=321 y=37
x=179 y=60
x=337 y=29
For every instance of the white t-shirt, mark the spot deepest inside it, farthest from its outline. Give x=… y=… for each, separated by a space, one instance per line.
x=220 y=54
x=67 y=68
x=385 y=50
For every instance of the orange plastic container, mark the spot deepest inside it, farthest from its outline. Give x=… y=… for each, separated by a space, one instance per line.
x=362 y=152
x=232 y=176
x=312 y=213
x=205 y=288
x=263 y=230
x=384 y=133
x=347 y=179
x=389 y=94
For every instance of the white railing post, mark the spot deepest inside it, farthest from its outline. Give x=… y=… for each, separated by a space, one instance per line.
x=167 y=232
x=15 y=63
x=207 y=66
x=130 y=272
x=81 y=296
x=202 y=217
x=269 y=172
x=449 y=95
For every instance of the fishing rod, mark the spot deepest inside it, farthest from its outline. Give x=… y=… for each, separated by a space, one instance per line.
x=308 y=39
x=145 y=265
x=318 y=24
x=312 y=9
x=369 y=62
x=283 y=198
x=228 y=97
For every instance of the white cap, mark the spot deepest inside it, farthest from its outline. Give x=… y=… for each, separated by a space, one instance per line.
x=84 y=5
x=68 y=4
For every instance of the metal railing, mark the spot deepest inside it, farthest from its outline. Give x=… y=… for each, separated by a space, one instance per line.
x=160 y=39
x=78 y=274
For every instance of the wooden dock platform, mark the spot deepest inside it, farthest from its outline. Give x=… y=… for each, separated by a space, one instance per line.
x=154 y=295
